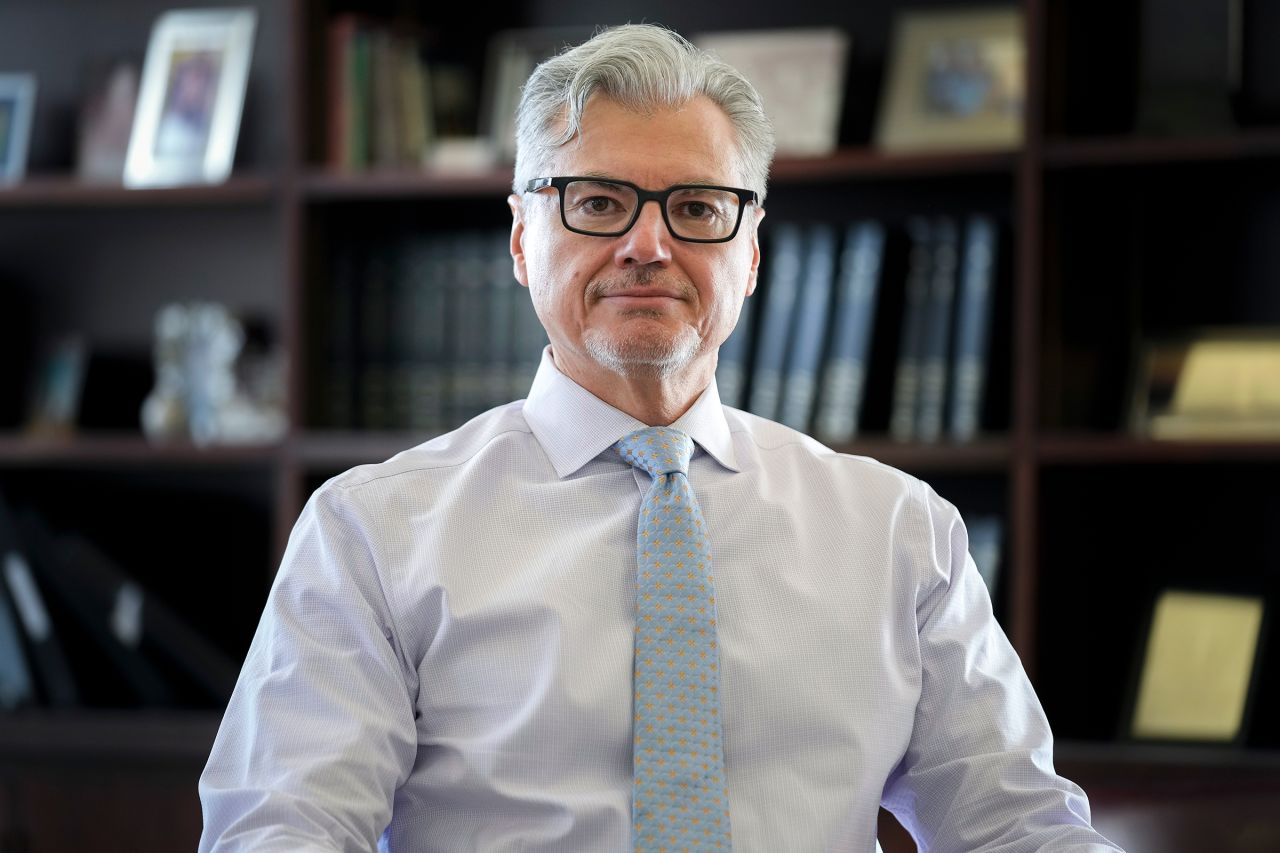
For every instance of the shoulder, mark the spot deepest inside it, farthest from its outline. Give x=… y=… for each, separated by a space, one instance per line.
x=781 y=451
x=489 y=440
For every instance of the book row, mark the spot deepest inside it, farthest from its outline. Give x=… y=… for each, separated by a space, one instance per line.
x=806 y=360
x=423 y=332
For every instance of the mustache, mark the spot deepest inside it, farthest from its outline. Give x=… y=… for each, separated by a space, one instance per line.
x=616 y=285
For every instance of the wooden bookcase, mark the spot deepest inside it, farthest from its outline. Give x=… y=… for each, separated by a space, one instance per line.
x=1108 y=234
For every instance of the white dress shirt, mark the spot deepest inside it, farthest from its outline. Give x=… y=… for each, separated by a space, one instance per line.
x=445 y=659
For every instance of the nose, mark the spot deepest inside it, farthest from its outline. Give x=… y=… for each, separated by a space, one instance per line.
x=648 y=241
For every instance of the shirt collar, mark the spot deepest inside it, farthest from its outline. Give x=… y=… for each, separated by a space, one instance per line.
x=574 y=426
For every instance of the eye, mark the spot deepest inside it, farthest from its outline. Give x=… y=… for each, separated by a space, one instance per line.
x=598 y=204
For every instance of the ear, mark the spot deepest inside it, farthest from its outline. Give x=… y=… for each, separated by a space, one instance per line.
x=753 y=274
x=517 y=239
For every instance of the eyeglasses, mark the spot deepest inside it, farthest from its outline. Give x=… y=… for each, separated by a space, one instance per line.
x=696 y=213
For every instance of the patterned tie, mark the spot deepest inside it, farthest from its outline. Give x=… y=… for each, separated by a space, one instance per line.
x=679 y=798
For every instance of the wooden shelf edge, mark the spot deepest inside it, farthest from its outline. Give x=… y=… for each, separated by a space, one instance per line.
x=1121 y=764
x=90 y=736
x=1103 y=449
x=125 y=448
x=865 y=162
x=66 y=191
x=986 y=455
x=373 y=185
x=323 y=450
x=1137 y=150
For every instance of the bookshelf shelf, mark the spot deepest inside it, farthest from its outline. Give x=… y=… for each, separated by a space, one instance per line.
x=320 y=450
x=109 y=737
x=987 y=456
x=124 y=450
x=1083 y=449
x=871 y=164
x=325 y=186
x=67 y=192
x=1115 y=151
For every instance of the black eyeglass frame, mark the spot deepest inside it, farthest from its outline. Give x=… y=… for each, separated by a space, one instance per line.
x=643 y=195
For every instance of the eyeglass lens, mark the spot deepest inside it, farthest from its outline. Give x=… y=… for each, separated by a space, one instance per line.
x=600 y=207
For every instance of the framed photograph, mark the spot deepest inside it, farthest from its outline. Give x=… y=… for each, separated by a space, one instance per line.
x=800 y=75
x=17 y=106
x=190 y=98
x=956 y=80
x=1198 y=668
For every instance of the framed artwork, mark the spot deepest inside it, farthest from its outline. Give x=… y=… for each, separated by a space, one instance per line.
x=1197 y=670
x=956 y=80
x=190 y=98
x=17 y=106
x=800 y=75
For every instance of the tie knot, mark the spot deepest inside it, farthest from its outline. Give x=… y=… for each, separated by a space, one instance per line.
x=658 y=450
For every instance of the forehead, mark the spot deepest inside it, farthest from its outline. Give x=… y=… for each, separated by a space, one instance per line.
x=692 y=143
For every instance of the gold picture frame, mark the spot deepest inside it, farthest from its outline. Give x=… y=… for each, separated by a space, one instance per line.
x=1198 y=668
x=956 y=81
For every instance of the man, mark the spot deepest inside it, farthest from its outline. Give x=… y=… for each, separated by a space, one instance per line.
x=558 y=629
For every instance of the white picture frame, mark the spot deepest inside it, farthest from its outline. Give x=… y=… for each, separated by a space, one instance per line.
x=17 y=108
x=800 y=76
x=191 y=98
x=956 y=81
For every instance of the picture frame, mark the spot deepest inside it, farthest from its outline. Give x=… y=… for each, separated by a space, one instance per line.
x=58 y=387
x=1197 y=668
x=956 y=81
x=191 y=98
x=1207 y=383
x=800 y=76
x=17 y=110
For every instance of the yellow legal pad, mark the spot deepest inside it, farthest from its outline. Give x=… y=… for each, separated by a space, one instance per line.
x=1197 y=668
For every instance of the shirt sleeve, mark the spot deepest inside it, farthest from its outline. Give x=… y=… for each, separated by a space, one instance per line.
x=320 y=729
x=978 y=771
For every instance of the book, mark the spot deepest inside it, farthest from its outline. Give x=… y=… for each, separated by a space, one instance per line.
x=844 y=377
x=973 y=322
x=143 y=623
x=735 y=357
x=469 y=325
x=338 y=405
x=47 y=660
x=985 y=544
x=935 y=347
x=813 y=309
x=17 y=688
x=375 y=339
x=423 y=269
x=348 y=78
x=780 y=298
x=57 y=571
x=906 y=380
x=502 y=316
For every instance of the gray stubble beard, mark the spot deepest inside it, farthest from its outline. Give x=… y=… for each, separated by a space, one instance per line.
x=647 y=356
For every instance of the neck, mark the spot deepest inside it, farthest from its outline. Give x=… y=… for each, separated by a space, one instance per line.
x=651 y=398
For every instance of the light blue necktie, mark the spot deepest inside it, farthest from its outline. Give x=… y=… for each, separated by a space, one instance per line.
x=679 y=797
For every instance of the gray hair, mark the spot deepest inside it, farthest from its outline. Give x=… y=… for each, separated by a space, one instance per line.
x=640 y=66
